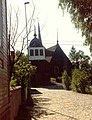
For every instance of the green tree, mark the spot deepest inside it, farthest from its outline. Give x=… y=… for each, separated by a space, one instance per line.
x=22 y=72
x=79 y=59
x=21 y=56
x=81 y=15
x=72 y=54
x=84 y=61
x=66 y=80
x=79 y=80
x=22 y=75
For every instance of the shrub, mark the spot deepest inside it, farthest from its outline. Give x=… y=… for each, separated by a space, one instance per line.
x=66 y=80
x=13 y=83
x=79 y=80
x=52 y=80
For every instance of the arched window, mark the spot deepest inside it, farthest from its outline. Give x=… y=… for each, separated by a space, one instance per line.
x=56 y=70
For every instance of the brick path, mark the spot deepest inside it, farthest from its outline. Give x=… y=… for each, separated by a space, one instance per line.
x=57 y=104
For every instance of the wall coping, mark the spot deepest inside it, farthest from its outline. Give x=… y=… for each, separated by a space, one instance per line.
x=15 y=88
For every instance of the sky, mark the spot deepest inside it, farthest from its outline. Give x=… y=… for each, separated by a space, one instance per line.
x=51 y=19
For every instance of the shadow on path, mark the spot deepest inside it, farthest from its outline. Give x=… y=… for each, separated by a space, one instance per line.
x=25 y=112
x=54 y=87
x=39 y=109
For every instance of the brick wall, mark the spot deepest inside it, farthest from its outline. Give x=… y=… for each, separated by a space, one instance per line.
x=15 y=102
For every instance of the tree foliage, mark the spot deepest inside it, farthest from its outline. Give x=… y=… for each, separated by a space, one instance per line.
x=21 y=56
x=79 y=80
x=72 y=55
x=81 y=16
x=82 y=72
x=66 y=80
x=79 y=59
x=22 y=70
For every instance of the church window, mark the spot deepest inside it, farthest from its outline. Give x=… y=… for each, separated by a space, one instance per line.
x=36 y=52
x=56 y=70
x=31 y=53
x=41 y=52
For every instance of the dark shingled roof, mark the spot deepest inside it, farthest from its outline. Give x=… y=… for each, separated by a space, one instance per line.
x=35 y=43
x=50 y=52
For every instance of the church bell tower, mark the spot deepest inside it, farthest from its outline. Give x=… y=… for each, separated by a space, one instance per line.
x=36 y=50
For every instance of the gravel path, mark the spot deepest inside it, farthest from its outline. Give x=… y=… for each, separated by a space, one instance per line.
x=58 y=104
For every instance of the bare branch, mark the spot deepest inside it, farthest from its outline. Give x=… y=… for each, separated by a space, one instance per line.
x=13 y=25
x=16 y=26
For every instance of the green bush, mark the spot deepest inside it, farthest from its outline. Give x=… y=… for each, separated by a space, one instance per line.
x=13 y=83
x=52 y=80
x=66 y=80
x=89 y=89
x=79 y=80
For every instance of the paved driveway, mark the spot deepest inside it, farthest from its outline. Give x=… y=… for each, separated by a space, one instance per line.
x=57 y=104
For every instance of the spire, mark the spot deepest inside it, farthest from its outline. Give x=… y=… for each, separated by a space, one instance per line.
x=57 y=36
x=39 y=34
x=35 y=31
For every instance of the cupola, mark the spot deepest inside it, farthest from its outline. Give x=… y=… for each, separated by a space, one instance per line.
x=36 y=50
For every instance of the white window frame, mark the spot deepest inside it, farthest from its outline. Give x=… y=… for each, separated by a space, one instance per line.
x=37 y=57
x=41 y=52
x=32 y=52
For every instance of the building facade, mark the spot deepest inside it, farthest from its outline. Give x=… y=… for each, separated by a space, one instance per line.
x=50 y=62
x=4 y=64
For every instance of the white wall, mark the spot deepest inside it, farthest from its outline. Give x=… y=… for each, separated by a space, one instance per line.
x=39 y=57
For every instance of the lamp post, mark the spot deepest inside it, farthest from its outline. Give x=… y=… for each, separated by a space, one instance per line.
x=29 y=100
x=26 y=22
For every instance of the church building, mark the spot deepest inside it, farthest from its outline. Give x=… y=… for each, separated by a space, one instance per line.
x=50 y=62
